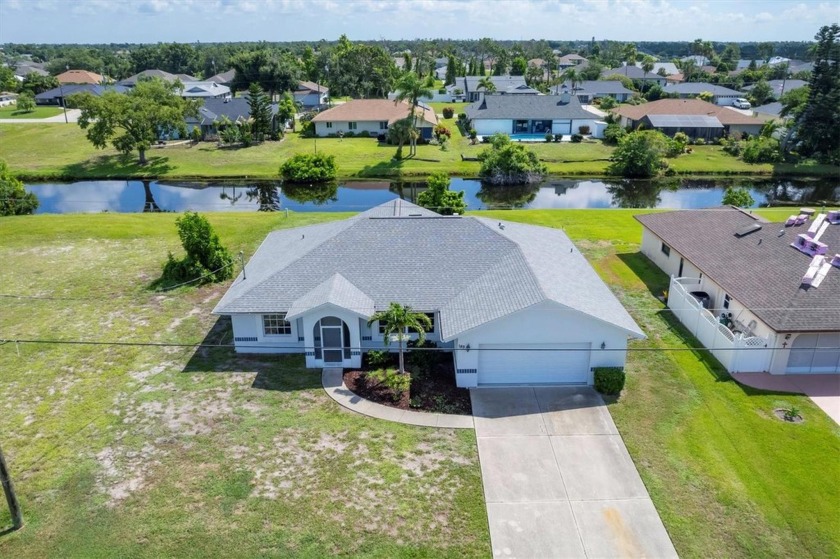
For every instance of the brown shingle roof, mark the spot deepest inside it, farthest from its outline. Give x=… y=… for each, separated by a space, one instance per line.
x=79 y=76
x=761 y=269
x=358 y=110
x=310 y=86
x=725 y=115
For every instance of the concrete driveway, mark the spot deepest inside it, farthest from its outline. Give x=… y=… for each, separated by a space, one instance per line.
x=558 y=480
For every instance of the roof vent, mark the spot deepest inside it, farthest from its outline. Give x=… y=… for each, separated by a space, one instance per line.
x=415 y=215
x=747 y=229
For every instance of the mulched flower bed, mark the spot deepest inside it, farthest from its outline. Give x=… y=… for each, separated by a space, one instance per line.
x=432 y=391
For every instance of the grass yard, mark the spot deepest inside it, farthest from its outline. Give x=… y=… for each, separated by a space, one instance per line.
x=167 y=451
x=11 y=111
x=60 y=151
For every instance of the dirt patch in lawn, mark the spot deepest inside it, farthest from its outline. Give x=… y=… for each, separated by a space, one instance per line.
x=432 y=390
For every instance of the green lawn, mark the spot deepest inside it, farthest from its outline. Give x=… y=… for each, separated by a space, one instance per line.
x=59 y=151
x=12 y=111
x=166 y=451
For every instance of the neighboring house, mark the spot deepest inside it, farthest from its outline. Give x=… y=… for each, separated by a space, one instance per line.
x=371 y=117
x=7 y=98
x=79 y=77
x=780 y=87
x=147 y=74
x=739 y=283
x=796 y=66
x=311 y=95
x=589 y=90
x=225 y=78
x=213 y=111
x=23 y=69
x=714 y=121
x=669 y=68
x=635 y=73
x=698 y=59
x=56 y=96
x=689 y=90
x=742 y=64
x=516 y=304
x=773 y=109
x=570 y=60
x=512 y=85
x=532 y=114
x=205 y=90
x=674 y=78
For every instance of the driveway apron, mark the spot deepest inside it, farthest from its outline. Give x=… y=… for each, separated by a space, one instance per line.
x=558 y=479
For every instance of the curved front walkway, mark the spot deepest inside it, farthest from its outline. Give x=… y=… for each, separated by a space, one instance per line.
x=333 y=382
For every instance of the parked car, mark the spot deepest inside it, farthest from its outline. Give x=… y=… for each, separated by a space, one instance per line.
x=741 y=103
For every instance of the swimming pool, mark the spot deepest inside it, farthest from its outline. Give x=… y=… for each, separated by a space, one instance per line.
x=527 y=137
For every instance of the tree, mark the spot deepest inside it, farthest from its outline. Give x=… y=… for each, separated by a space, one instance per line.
x=760 y=93
x=411 y=88
x=765 y=50
x=640 y=154
x=794 y=102
x=486 y=83
x=400 y=133
x=706 y=96
x=630 y=54
x=7 y=79
x=36 y=84
x=134 y=120
x=274 y=72
x=648 y=63
x=438 y=198
x=26 y=102
x=206 y=260
x=573 y=77
x=259 y=106
x=14 y=199
x=739 y=197
x=819 y=122
x=309 y=168
x=451 y=71
x=286 y=110
x=518 y=66
x=396 y=322
x=508 y=163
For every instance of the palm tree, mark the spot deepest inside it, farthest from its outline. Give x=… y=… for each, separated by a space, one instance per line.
x=630 y=55
x=411 y=88
x=648 y=63
x=573 y=76
x=487 y=83
x=396 y=321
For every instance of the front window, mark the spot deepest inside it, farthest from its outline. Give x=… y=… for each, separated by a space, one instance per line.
x=666 y=250
x=383 y=125
x=329 y=125
x=276 y=325
x=351 y=125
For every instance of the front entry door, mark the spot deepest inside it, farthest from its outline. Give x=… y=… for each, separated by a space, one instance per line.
x=331 y=337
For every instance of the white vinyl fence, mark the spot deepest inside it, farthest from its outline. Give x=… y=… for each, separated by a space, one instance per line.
x=736 y=352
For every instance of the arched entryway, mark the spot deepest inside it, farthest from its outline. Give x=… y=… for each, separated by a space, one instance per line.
x=332 y=340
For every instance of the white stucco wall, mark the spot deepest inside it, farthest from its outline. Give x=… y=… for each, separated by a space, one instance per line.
x=246 y=327
x=362 y=127
x=547 y=323
x=350 y=318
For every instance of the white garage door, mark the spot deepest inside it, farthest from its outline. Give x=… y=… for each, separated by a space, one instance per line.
x=815 y=354
x=533 y=364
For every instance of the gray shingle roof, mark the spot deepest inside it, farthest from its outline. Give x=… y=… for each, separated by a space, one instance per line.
x=469 y=269
x=546 y=107
x=761 y=270
x=598 y=87
x=696 y=88
x=71 y=88
x=683 y=121
x=234 y=108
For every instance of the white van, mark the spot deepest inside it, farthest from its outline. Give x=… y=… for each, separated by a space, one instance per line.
x=741 y=103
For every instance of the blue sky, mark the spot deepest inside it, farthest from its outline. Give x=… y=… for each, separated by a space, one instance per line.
x=135 y=21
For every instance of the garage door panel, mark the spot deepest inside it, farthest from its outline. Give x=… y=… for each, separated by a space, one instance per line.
x=533 y=363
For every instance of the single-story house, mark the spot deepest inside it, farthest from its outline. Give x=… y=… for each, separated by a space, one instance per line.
x=532 y=114
x=733 y=121
x=589 y=90
x=57 y=95
x=743 y=64
x=310 y=95
x=668 y=68
x=224 y=78
x=635 y=73
x=23 y=69
x=721 y=95
x=569 y=60
x=8 y=98
x=213 y=110
x=762 y=296
x=79 y=76
x=514 y=303
x=697 y=59
x=131 y=81
x=372 y=117
x=471 y=91
x=773 y=109
x=205 y=90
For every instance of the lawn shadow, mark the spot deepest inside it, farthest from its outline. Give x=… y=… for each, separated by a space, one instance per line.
x=119 y=166
x=703 y=355
x=7 y=531
x=283 y=372
x=385 y=168
x=655 y=279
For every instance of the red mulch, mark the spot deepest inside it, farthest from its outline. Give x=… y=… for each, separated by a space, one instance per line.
x=430 y=392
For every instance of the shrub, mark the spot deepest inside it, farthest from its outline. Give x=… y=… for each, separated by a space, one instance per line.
x=442 y=91
x=584 y=129
x=14 y=199
x=448 y=112
x=558 y=137
x=206 y=258
x=348 y=134
x=613 y=133
x=639 y=154
x=440 y=131
x=381 y=138
x=305 y=167
x=391 y=378
x=732 y=147
x=577 y=138
x=424 y=361
x=762 y=150
x=699 y=142
x=607 y=103
x=307 y=129
x=378 y=358
x=462 y=116
x=195 y=134
x=739 y=197
x=609 y=380
x=549 y=136
x=438 y=198
x=506 y=163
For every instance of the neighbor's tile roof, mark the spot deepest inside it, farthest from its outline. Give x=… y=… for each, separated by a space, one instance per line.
x=361 y=110
x=471 y=270
x=79 y=76
x=725 y=115
x=547 y=107
x=761 y=270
